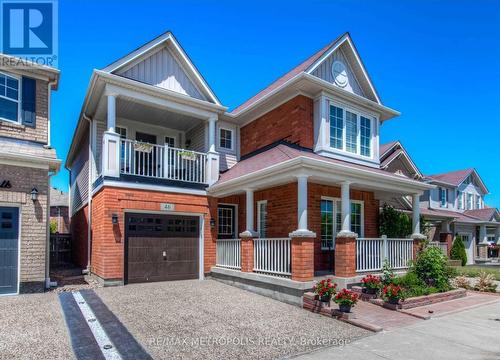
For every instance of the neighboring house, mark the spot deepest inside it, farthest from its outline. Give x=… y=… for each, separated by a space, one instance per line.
x=59 y=210
x=26 y=163
x=166 y=182
x=455 y=207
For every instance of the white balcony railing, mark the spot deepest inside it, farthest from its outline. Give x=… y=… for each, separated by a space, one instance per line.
x=370 y=253
x=273 y=256
x=228 y=253
x=163 y=162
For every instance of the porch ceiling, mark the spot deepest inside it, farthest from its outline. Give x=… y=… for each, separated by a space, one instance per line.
x=129 y=109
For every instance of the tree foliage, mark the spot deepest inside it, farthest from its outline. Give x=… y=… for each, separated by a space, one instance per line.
x=457 y=251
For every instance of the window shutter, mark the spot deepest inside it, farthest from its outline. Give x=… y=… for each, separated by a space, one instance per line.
x=28 y=105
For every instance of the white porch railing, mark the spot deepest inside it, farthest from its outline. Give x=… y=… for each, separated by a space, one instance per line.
x=443 y=246
x=228 y=253
x=371 y=252
x=164 y=162
x=273 y=256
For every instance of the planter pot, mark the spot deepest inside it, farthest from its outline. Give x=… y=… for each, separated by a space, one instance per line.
x=393 y=301
x=325 y=298
x=370 y=291
x=345 y=308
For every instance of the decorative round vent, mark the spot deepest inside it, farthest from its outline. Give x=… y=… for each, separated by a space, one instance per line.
x=339 y=73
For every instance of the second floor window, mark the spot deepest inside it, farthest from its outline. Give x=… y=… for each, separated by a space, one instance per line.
x=460 y=197
x=443 y=197
x=9 y=98
x=469 y=201
x=350 y=131
x=226 y=139
x=478 y=202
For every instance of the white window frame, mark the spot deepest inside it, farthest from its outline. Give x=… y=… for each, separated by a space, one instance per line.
x=122 y=127
x=259 y=220
x=19 y=97
x=220 y=138
x=470 y=197
x=170 y=137
x=359 y=113
x=460 y=200
x=234 y=211
x=478 y=202
x=338 y=201
x=441 y=191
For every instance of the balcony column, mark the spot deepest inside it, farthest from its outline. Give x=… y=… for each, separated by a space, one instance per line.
x=213 y=162
x=111 y=142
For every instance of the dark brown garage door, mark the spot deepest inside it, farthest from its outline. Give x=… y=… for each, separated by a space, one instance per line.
x=161 y=247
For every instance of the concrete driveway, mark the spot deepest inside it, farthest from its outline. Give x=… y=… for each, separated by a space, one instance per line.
x=471 y=334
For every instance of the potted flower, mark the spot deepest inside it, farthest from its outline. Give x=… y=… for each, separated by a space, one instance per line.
x=187 y=155
x=325 y=289
x=392 y=293
x=371 y=284
x=346 y=300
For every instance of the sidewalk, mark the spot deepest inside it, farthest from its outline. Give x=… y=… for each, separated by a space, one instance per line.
x=470 y=334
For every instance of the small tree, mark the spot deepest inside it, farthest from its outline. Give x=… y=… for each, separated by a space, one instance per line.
x=394 y=223
x=53 y=226
x=457 y=251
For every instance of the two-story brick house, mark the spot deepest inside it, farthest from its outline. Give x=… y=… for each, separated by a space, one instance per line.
x=26 y=163
x=166 y=183
x=455 y=207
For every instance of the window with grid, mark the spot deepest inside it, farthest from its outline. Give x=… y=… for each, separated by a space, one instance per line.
x=9 y=98
x=443 y=197
x=356 y=218
x=336 y=127
x=170 y=141
x=226 y=139
x=331 y=226
x=327 y=224
x=469 y=201
x=366 y=136
x=262 y=218
x=460 y=197
x=225 y=221
x=351 y=132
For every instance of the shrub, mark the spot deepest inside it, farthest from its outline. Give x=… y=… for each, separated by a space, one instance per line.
x=457 y=251
x=432 y=268
x=485 y=282
x=397 y=224
x=412 y=285
x=53 y=226
x=461 y=282
x=387 y=273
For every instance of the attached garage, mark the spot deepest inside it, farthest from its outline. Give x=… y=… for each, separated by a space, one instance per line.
x=9 y=248
x=161 y=247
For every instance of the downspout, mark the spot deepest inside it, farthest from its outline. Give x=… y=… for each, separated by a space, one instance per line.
x=89 y=222
x=48 y=283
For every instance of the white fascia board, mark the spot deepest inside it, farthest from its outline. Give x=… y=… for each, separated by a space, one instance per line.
x=31 y=161
x=410 y=162
x=481 y=182
x=339 y=172
x=389 y=149
x=148 y=187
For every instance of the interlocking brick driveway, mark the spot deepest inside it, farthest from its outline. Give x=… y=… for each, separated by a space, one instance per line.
x=210 y=320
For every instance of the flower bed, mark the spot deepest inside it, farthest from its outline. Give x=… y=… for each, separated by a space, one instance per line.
x=425 y=300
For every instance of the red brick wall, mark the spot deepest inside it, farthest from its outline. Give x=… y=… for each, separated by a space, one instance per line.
x=108 y=239
x=292 y=121
x=79 y=234
x=316 y=191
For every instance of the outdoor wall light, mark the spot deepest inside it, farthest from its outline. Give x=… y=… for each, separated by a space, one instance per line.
x=114 y=219
x=34 y=194
x=212 y=223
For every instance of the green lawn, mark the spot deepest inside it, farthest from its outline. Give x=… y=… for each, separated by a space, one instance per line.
x=474 y=270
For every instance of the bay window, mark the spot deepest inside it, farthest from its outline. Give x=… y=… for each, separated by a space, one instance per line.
x=350 y=131
x=331 y=220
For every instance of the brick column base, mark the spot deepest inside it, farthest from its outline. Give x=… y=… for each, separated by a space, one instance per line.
x=302 y=258
x=345 y=256
x=482 y=251
x=448 y=239
x=247 y=254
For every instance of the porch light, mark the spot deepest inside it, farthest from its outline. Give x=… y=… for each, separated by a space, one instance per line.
x=114 y=219
x=34 y=194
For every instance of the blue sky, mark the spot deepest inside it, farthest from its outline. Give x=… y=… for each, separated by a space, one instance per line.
x=435 y=61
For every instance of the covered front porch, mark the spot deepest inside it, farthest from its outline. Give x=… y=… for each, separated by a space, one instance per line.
x=304 y=222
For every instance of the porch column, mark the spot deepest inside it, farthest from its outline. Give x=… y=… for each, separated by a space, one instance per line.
x=248 y=235
x=416 y=214
x=111 y=113
x=302 y=240
x=483 y=242
x=497 y=235
x=249 y=232
x=213 y=162
x=111 y=142
x=346 y=208
x=446 y=235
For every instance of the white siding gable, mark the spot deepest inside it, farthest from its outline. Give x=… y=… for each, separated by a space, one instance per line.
x=163 y=69
x=324 y=71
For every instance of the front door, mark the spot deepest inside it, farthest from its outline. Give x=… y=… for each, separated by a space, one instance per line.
x=146 y=163
x=227 y=222
x=9 y=248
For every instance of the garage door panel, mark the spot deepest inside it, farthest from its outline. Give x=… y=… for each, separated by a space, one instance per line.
x=162 y=247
